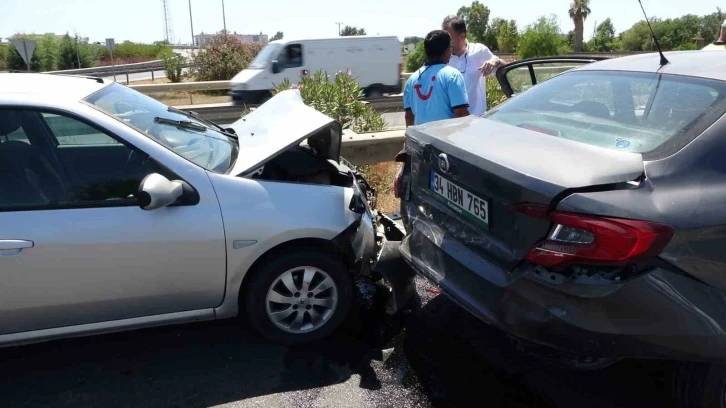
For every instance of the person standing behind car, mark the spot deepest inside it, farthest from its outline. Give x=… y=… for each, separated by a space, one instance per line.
x=435 y=91
x=474 y=60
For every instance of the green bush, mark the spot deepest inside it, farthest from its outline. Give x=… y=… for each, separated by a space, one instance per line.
x=3 y=55
x=73 y=54
x=416 y=58
x=541 y=39
x=340 y=99
x=223 y=58
x=173 y=68
x=495 y=96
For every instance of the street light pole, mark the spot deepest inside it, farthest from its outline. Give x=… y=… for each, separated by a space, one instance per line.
x=191 y=23
x=339 y=24
x=224 y=19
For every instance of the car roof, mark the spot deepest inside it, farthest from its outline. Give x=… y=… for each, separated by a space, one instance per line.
x=703 y=64
x=67 y=87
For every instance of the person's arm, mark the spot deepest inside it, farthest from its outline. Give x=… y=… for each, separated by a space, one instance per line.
x=489 y=62
x=458 y=96
x=410 y=118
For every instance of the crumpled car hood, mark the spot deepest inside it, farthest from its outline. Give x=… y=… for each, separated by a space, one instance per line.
x=280 y=123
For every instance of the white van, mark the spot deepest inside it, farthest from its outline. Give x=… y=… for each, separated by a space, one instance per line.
x=375 y=62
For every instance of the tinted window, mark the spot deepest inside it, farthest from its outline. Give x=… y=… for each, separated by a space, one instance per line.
x=35 y=175
x=293 y=56
x=633 y=112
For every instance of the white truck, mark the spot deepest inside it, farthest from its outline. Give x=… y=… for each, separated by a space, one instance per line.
x=375 y=62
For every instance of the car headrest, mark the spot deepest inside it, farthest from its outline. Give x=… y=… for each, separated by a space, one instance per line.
x=9 y=122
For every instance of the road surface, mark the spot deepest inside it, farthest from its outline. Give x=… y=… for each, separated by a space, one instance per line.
x=444 y=358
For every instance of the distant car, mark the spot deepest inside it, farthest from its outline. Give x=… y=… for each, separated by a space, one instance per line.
x=585 y=215
x=119 y=212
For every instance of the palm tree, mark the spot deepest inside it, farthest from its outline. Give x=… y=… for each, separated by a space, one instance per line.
x=579 y=10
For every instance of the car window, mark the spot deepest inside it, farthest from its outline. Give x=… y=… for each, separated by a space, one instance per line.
x=293 y=56
x=520 y=79
x=629 y=111
x=68 y=131
x=35 y=175
x=193 y=139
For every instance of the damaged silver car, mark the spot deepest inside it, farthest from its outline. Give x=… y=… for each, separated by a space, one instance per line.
x=119 y=212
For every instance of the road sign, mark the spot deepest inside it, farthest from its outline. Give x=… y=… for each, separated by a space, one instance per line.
x=25 y=49
x=110 y=44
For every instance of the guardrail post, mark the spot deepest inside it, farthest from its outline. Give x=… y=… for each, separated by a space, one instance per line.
x=152 y=75
x=127 y=77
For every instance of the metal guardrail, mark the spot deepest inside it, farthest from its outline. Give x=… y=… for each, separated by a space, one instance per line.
x=131 y=68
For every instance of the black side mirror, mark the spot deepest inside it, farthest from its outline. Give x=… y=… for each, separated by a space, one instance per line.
x=276 y=67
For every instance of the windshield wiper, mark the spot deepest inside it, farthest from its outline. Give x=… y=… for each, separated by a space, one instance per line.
x=194 y=115
x=181 y=123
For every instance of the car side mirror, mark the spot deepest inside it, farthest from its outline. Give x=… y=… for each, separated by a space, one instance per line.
x=156 y=191
x=276 y=67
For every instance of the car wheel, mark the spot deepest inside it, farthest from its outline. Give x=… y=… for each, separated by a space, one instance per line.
x=299 y=297
x=700 y=385
x=374 y=92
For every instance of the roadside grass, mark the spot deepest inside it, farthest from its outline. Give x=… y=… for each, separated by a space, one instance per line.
x=380 y=176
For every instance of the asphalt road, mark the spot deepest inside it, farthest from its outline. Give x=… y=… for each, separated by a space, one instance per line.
x=443 y=358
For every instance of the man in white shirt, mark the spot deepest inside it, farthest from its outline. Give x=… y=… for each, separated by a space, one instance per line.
x=475 y=61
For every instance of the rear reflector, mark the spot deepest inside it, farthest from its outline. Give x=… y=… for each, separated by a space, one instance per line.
x=578 y=239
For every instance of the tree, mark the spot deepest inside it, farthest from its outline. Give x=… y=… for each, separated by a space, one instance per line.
x=277 y=36
x=579 y=10
x=349 y=31
x=541 y=39
x=412 y=40
x=711 y=25
x=507 y=36
x=604 y=38
x=477 y=19
x=416 y=58
x=75 y=54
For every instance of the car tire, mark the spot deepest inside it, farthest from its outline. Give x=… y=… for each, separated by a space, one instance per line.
x=700 y=385
x=272 y=280
x=374 y=92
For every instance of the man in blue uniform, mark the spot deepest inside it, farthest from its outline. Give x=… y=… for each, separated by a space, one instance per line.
x=435 y=91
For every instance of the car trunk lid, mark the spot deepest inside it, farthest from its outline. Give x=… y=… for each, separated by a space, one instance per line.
x=472 y=173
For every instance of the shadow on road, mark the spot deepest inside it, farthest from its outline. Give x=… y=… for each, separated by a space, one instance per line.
x=460 y=362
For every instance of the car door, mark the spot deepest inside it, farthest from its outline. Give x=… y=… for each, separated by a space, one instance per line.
x=518 y=76
x=292 y=61
x=76 y=248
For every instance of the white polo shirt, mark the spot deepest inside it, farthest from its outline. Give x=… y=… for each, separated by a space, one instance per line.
x=468 y=64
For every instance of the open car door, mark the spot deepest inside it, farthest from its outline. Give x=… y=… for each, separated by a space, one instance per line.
x=518 y=76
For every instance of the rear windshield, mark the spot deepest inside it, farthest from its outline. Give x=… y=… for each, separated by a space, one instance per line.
x=653 y=114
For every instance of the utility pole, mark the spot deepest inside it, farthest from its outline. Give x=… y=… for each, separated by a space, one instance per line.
x=224 y=19
x=339 y=24
x=191 y=23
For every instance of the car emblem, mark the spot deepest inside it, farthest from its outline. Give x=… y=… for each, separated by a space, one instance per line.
x=443 y=162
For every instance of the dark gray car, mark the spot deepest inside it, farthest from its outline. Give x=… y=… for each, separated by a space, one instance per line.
x=585 y=216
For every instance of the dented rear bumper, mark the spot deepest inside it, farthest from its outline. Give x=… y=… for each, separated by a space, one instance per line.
x=661 y=314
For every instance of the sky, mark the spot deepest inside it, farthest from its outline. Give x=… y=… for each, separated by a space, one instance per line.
x=143 y=20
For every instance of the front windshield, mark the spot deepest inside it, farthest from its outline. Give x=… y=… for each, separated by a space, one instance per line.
x=264 y=56
x=190 y=138
x=628 y=111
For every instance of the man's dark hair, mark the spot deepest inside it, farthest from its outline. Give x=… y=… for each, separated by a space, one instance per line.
x=436 y=43
x=458 y=24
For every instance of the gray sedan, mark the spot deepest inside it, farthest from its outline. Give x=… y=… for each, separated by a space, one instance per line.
x=585 y=215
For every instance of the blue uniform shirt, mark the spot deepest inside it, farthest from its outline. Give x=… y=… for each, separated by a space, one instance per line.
x=433 y=92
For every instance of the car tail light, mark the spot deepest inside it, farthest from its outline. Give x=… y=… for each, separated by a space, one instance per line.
x=591 y=240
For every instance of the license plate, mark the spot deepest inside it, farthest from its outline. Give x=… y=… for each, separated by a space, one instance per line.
x=460 y=200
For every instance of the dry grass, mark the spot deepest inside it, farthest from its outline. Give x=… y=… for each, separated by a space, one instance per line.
x=380 y=176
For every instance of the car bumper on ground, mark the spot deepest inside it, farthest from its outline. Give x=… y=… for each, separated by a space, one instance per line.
x=658 y=315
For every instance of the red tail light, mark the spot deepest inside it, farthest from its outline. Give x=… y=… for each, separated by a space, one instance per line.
x=591 y=240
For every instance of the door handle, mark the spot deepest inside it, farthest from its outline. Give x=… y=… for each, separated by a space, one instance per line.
x=10 y=247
